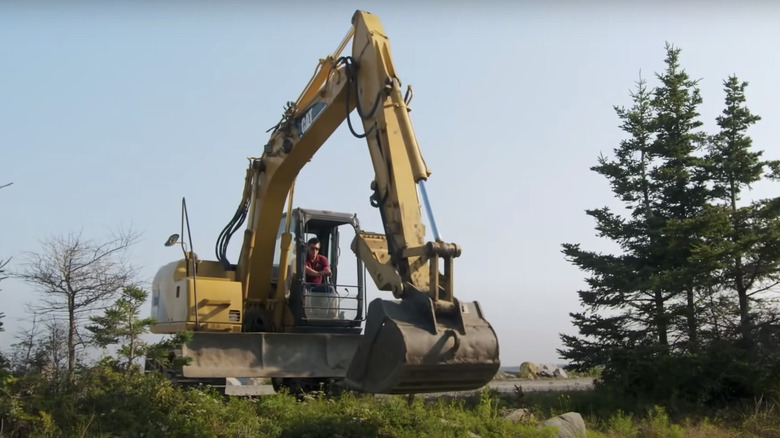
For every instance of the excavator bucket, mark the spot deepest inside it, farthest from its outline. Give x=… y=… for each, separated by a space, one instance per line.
x=409 y=348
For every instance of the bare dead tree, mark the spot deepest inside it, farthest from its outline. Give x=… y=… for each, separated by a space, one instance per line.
x=42 y=348
x=77 y=276
x=25 y=350
x=3 y=264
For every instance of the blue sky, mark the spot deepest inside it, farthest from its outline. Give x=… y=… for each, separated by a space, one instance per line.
x=110 y=114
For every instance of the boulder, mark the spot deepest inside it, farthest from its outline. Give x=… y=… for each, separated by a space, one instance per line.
x=531 y=370
x=516 y=415
x=528 y=370
x=570 y=425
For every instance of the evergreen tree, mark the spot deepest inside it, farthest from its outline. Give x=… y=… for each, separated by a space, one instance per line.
x=621 y=284
x=120 y=325
x=682 y=183
x=658 y=317
x=752 y=251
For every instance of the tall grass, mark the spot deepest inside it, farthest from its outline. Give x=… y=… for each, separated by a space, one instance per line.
x=105 y=403
x=613 y=417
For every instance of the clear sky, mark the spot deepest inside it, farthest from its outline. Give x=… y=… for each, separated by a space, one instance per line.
x=109 y=114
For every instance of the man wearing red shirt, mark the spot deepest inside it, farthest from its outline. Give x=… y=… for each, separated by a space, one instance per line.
x=317 y=265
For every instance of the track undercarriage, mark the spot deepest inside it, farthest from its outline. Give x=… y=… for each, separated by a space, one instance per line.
x=299 y=387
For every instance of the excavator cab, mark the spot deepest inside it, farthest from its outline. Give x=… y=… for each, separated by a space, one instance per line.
x=337 y=304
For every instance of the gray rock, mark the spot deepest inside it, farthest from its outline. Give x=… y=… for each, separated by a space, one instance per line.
x=516 y=415
x=570 y=425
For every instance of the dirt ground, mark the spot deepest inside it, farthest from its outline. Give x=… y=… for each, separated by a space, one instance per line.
x=504 y=386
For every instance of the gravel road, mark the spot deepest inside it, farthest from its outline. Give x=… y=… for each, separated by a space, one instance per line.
x=503 y=386
x=528 y=385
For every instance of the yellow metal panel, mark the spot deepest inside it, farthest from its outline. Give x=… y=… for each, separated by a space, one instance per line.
x=217 y=301
x=214 y=271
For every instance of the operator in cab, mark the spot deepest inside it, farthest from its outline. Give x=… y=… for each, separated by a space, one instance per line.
x=317 y=265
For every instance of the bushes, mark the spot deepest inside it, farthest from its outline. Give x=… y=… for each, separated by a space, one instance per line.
x=717 y=377
x=108 y=401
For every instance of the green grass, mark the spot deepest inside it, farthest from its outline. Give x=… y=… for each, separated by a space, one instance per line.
x=614 y=417
x=105 y=403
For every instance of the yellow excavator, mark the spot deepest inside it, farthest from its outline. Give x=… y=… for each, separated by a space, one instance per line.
x=261 y=317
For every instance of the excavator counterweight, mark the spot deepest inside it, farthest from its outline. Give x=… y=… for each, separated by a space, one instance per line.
x=286 y=309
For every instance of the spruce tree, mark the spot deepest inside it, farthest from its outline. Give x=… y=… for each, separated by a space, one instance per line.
x=752 y=250
x=121 y=325
x=681 y=181
x=658 y=316
x=623 y=285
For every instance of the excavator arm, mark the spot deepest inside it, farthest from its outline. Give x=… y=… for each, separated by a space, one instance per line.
x=393 y=259
x=425 y=339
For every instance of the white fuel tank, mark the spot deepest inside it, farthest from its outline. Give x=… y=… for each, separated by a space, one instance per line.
x=169 y=303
